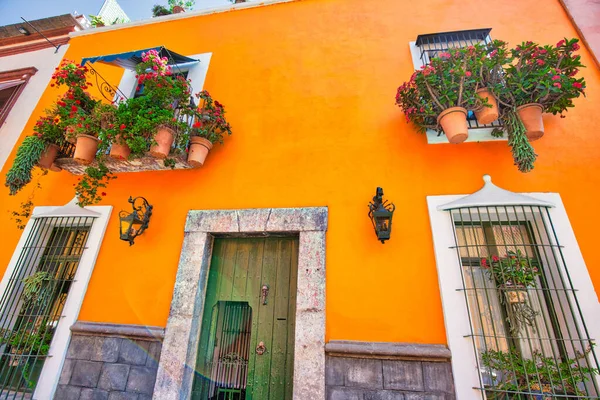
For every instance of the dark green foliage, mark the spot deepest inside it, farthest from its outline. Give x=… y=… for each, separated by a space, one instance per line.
x=522 y=151
x=27 y=157
x=159 y=11
x=539 y=373
x=94 y=179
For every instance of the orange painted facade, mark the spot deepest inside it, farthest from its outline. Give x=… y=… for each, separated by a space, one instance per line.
x=309 y=89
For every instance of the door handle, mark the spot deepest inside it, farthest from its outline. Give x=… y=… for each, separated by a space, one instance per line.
x=261 y=349
x=264 y=293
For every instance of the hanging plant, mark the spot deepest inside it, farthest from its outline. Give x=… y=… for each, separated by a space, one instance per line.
x=37 y=288
x=89 y=188
x=28 y=154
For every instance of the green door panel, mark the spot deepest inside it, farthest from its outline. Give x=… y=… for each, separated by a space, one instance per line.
x=237 y=318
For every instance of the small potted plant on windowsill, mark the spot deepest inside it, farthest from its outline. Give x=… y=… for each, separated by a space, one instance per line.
x=516 y=377
x=208 y=128
x=439 y=95
x=96 y=21
x=179 y=6
x=541 y=79
x=513 y=275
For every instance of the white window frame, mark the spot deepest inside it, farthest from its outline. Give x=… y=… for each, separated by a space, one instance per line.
x=48 y=380
x=456 y=317
x=196 y=74
x=433 y=137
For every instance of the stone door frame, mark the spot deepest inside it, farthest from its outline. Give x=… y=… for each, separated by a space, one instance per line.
x=179 y=351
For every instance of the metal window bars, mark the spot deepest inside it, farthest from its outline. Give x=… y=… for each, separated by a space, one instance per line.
x=527 y=328
x=432 y=44
x=228 y=352
x=33 y=301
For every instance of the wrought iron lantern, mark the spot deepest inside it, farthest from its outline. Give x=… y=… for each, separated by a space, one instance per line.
x=136 y=222
x=380 y=213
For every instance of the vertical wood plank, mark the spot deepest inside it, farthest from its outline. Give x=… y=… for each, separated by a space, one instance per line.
x=291 y=331
x=253 y=297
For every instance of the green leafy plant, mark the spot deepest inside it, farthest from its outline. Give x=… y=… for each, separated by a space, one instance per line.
x=511 y=372
x=159 y=11
x=513 y=270
x=209 y=119
x=30 y=341
x=96 y=21
x=37 y=288
x=28 y=154
x=446 y=82
x=88 y=189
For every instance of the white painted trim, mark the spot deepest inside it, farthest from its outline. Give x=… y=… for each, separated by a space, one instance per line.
x=475 y=135
x=50 y=374
x=45 y=61
x=456 y=318
x=197 y=75
x=188 y=14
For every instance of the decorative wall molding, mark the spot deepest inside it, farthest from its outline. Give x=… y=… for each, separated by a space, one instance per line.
x=401 y=351
x=118 y=330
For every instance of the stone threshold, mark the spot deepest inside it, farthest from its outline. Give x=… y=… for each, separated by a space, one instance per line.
x=391 y=351
x=153 y=333
x=144 y=163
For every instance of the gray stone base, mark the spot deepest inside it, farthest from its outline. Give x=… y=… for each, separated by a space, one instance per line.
x=110 y=362
x=388 y=371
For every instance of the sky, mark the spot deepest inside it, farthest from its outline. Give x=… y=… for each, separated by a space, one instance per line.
x=11 y=11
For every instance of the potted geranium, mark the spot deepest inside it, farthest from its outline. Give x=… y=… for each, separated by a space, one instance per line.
x=75 y=109
x=47 y=128
x=164 y=95
x=439 y=95
x=208 y=128
x=542 y=79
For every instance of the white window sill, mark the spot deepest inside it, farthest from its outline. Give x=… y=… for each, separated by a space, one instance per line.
x=475 y=135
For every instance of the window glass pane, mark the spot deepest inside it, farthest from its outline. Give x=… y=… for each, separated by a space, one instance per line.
x=471 y=241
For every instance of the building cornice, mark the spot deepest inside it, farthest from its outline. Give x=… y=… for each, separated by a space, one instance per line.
x=184 y=15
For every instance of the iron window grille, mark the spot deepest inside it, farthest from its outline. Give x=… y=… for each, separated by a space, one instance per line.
x=33 y=302
x=526 y=325
x=432 y=44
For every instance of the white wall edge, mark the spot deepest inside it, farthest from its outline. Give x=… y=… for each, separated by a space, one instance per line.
x=456 y=318
x=51 y=371
x=172 y=17
x=475 y=135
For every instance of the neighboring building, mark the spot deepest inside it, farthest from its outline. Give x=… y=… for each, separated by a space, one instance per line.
x=260 y=277
x=112 y=13
x=27 y=62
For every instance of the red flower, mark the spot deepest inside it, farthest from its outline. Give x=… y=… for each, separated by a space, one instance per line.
x=484 y=263
x=540 y=62
x=557 y=84
x=577 y=85
x=103 y=193
x=78 y=101
x=122 y=127
x=555 y=77
x=561 y=43
x=576 y=46
x=197 y=124
x=468 y=73
x=495 y=258
x=73 y=108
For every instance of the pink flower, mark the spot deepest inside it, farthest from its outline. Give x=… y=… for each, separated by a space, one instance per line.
x=576 y=46
x=574 y=72
x=577 y=85
x=561 y=43
x=555 y=77
x=468 y=73
x=557 y=84
x=540 y=62
x=494 y=53
x=495 y=258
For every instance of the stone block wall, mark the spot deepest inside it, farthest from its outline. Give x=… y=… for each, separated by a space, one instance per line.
x=114 y=363
x=387 y=372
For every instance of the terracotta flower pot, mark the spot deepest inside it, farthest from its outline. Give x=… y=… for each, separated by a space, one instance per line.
x=85 y=149
x=164 y=139
x=454 y=124
x=531 y=116
x=199 y=148
x=119 y=149
x=487 y=115
x=178 y=9
x=48 y=156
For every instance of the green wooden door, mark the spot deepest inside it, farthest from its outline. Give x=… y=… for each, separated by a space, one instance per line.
x=250 y=298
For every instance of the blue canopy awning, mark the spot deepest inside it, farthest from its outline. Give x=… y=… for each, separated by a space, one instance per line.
x=132 y=58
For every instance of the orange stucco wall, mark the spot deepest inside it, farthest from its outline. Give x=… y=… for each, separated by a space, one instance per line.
x=309 y=88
